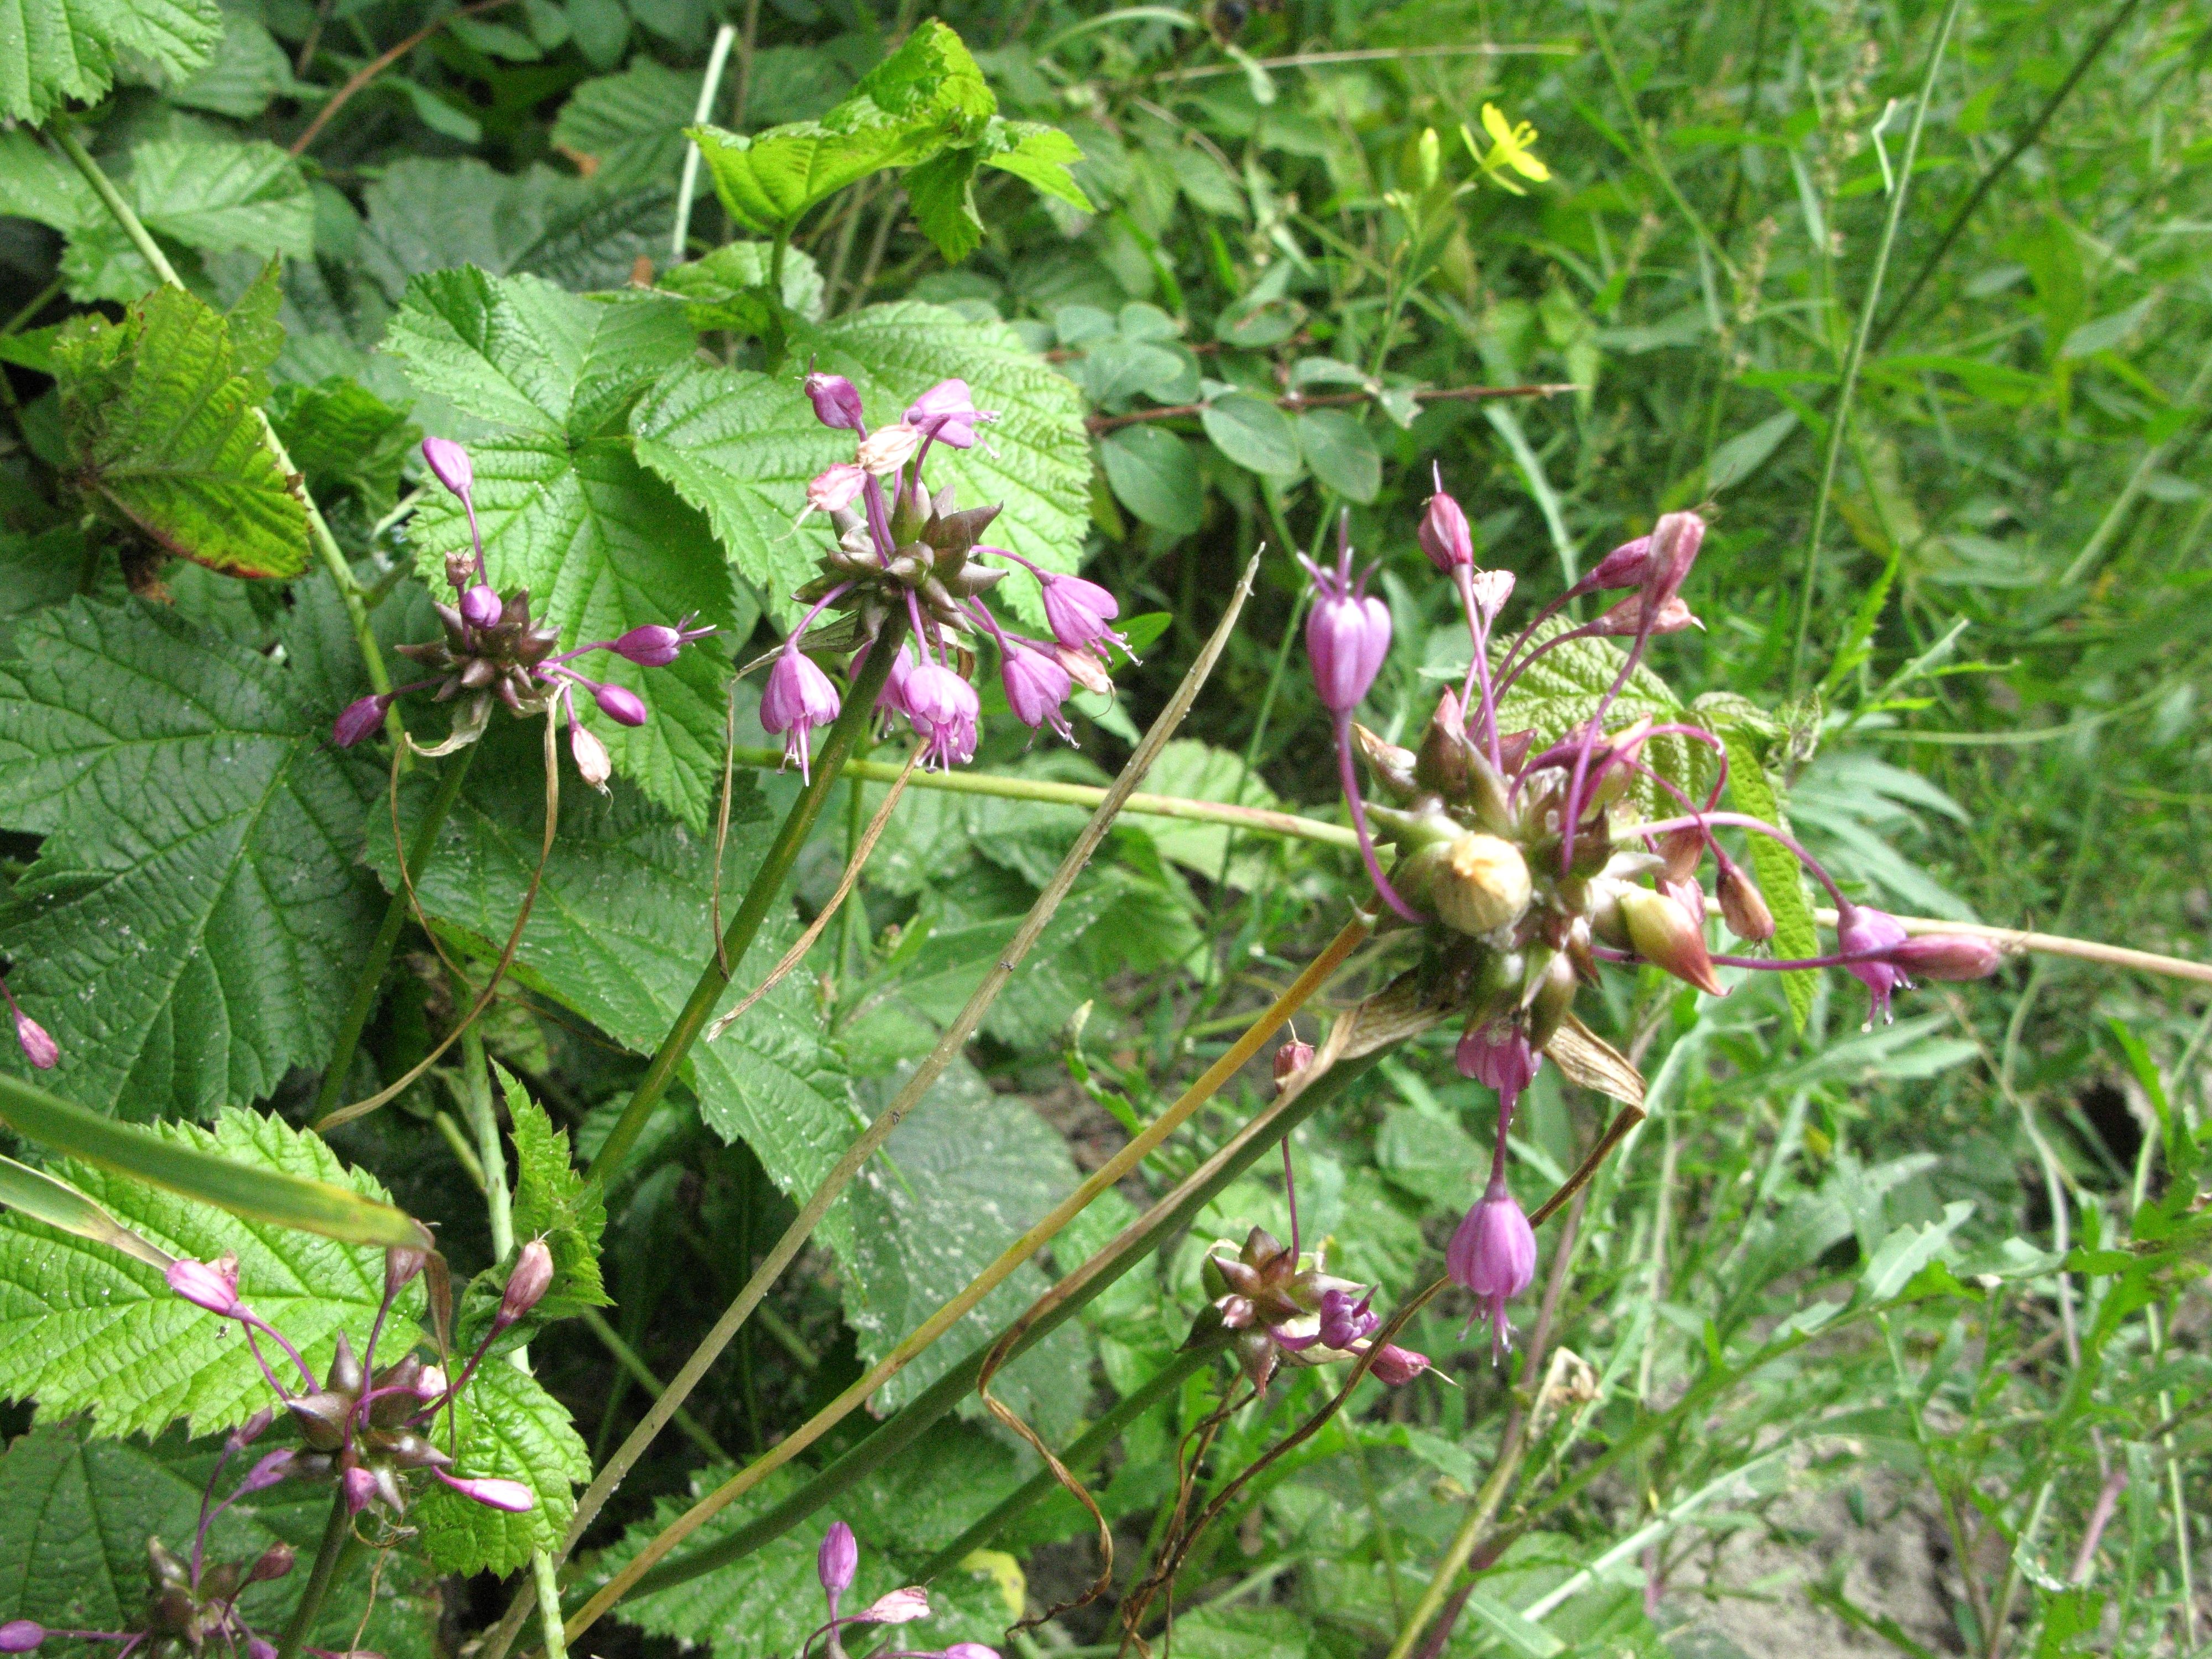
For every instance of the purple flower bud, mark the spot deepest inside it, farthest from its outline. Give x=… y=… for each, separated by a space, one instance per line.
x=1395 y=1366
x=798 y=697
x=527 y=1285
x=431 y=1384
x=650 y=645
x=509 y=1495
x=1343 y=1321
x=835 y=401
x=970 y=1651
x=250 y=1430
x=898 y=1607
x=1036 y=685
x=209 y=1284
x=1497 y=1056
x=1669 y=934
x=838 y=1559
x=944 y=709
x=358 y=1486
x=1622 y=568
x=401 y=1264
x=593 y=764
x=40 y=1049
x=1493 y=1254
x=1347 y=636
x=620 y=705
x=1862 y=930
x=1743 y=907
x=480 y=606
x=276 y=1561
x=947 y=413
x=358 y=719
x=266 y=1473
x=449 y=463
x=1079 y=612
x=1948 y=956
x=21 y=1635
x=260 y=1647
x=1291 y=1059
x=1443 y=534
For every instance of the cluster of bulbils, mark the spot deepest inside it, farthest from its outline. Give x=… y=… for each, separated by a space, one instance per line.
x=493 y=648
x=837 y=1562
x=1275 y=1303
x=363 y=1425
x=1526 y=867
x=913 y=554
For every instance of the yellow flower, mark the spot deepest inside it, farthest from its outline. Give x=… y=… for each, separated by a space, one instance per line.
x=1512 y=147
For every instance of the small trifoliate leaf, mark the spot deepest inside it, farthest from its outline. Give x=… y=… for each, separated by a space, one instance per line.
x=510 y=1429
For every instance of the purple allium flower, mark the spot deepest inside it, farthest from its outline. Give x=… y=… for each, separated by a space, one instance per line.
x=1079 y=612
x=898 y=1607
x=1862 y=929
x=885 y=451
x=619 y=704
x=944 y=709
x=838 y=1559
x=798 y=698
x=947 y=413
x=891 y=700
x=1948 y=956
x=1291 y=1059
x=836 y=403
x=209 y=1284
x=527 y=1285
x=1036 y=685
x=260 y=1647
x=1622 y=568
x=650 y=645
x=21 y=1635
x=39 y=1047
x=358 y=719
x=836 y=486
x=1626 y=618
x=1347 y=635
x=1344 y=1321
x=480 y=606
x=1444 y=535
x=450 y=465
x=1396 y=1366
x=275 y=1562
x=266 y=1473
x=1493 y=1256
x=1497 y=1056
x=509 y=1495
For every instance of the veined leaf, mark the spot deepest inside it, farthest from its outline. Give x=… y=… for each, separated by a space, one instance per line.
x=1780 y=879
x=345 y=440
x=510 y=1429
x=162 y=434
x=628 y=129
x=84 y=1328
x=602 y=544
x=54 y=50
x=556 y=1202
x=1562 y=689
x=728 y=288
x=188 y=930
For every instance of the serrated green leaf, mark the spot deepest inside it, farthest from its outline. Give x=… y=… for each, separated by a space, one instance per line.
x=1041 y=155
x=741 y=446
x=940 y=193
x=345 y=440
x=602 y=544
x=85 y=1329
x=1781 y=880
x=162 y=434
x=52 y=51
x=76 y=1512
x=510 y=1429
x=248 y=69
x=1562 y=689
x=628 y=129
x=728 y=288
x=620 y=933
x=925 y=98
x=213 y=198
x=189 y=930
x=554 y=1202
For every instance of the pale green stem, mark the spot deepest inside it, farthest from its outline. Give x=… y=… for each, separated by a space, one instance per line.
x=679 y=240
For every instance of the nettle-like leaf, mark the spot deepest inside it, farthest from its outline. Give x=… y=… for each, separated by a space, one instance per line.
x=76 y=1512
x=86 y=1329
x=189 y=931
x=510 y=1429
x=1562 y=689
x=52 y=51
x=728 y=288
x=619 y=934
x=554 y=1202
x=1781 y=880
x=741 y=446
x=159 y=415
x=602 y=544
x=345 y=440
x=628 y=129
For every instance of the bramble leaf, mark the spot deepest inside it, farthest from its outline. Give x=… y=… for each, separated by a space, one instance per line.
x=86 y=1328
x=345 y=440
x=163 y=436
x=628 y=129
x=555 y=1202
x=1562 y=689
x=510 y=1429
x=54 y=50
x=1780 y=879
x=187 y=931
x=602 y=544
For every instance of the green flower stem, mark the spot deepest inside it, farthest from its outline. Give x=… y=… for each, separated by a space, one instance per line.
x=1158 y=1227
x=326 y=544
x=767 y=887
x=1078 y=1457
x=387 y=935
x=331 y=1557
x=1839 y=422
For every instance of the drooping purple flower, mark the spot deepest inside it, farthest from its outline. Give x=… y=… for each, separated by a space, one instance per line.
x=947 y=413
x=837 y=1560
x=358 y=1486
x=480 y=606
x=275 y=1562
x=358 y=719
x=944 y=709
x=620 y=704
x=266 y=1473
x=1293 y=1057
x=1493 y=1257
x=1497 y=1056
x=1862 y=929
x=1036 y=685
x=509 y=1495
x=798 y=697
x=21 y=1635
x=1622 y=568
x=450 y=465
x=1344 y=1321
x=886 y=450
x=526 y=1285
x=1948 y=956
x=836 y=402
x=209 y=1284
x=1395 y=1366
x=1444 y=535
x=1348 y=635
x=836 y=486
x=260 y=1647
x=1080 y=612
x=593 y=764
x=39 y=1046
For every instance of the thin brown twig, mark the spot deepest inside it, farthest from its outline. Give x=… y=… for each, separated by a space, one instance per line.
x=377 y=65
x=1297 y=400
